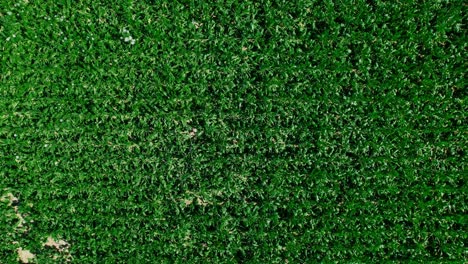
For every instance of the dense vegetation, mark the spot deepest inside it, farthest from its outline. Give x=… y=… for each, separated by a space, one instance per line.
x=256 y=131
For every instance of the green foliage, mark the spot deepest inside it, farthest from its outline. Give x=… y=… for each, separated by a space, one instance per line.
x=234 y=131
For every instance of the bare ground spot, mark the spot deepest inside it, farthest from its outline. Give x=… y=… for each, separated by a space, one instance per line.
x=61 y=246
x=25 y=256
x=201 y=199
